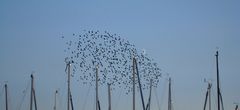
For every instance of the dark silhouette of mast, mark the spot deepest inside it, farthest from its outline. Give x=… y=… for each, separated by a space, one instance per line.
x=6 y=98
x=134 y=84
x=69 y=97
x=68 y=67
x=55 y=99
x=205 y=102
x=71 y=101
x=68 y=102
x=139 y=82
x=109 y=97
x=99 y=107
x=97 y=101
x=208 y=96
x=236 y=108
x=218 y=88
x=169 y=95
x=35 y=101
x=33 y=95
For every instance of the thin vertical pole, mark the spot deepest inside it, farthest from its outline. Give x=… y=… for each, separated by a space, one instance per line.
x=133 y=85
x=205 y=103
x=169 y=96
x=149 y=103
x=68 y=98
x=6 y=96
x=109 y=97
x=139 y=83
x=55 y=99
x=218 y=89
x=97 y=88
x=31 y=95
x=35 y=100
x=71 y=101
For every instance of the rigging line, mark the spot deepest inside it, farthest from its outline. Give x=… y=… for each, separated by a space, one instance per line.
x=24 y=95
x=71 y=101
x=86 y=97
x=221 y=100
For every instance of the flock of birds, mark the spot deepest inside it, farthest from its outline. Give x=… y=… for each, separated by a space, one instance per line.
x=113 y=57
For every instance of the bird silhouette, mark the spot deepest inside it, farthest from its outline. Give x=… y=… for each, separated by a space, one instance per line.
x=113 y=54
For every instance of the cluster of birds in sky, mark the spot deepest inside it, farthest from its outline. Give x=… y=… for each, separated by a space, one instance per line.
x=113 y=56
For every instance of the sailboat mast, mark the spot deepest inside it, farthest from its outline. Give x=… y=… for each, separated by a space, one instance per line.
x=97 y=88
x=55 y=99
x=209 y=97
x=236 y=108
x=35 y=101
x=6 y=96
x=68 y=97
x=109 y=97
x=169 y=95
x=139 y=82
x=150 y=96
x=71 y=101
x=31 y=94
x=133 y=85
x=205 y=102
x=218 y=89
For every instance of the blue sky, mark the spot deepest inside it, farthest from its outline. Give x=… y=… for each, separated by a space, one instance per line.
x=181 y=36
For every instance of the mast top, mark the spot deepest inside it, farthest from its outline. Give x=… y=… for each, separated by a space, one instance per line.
x=216 y=53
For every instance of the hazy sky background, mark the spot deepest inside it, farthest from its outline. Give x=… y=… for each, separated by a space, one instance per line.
x=180 y=35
